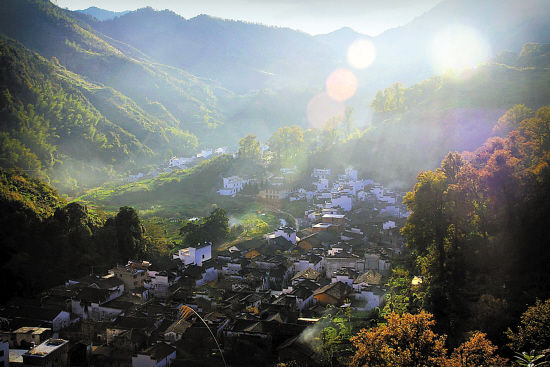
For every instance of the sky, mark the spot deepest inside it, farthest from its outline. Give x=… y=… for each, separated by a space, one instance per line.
x=370 y=17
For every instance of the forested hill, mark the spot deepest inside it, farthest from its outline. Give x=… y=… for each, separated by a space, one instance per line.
x=57 y=124
x=46 y=241
x=414 y=127
x=214 y=114
x=164 y=92
x=479 y=229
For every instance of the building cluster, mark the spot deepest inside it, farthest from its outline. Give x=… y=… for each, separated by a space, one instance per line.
x=252 y=302
x=342 y=192
x=256 y=298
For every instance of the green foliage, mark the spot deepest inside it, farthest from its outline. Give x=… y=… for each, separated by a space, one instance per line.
x=402 y=296
x=334 y=346
x=533 y=332
x=213 y=228
x=57 y=124
x=286 y=143
x=511 y=119
x=45 y=241
x=531 y=359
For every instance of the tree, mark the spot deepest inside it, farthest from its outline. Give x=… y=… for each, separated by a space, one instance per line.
x=249 y=149
x=213 y=228
x=533 y=332
x=476 y=352
x=511 y=119
x=408 y=340
x=286 y=143
x=405 y=340
x=334 y=346
x=130 y=234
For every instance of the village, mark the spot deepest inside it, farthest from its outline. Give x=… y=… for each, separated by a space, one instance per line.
x=248 y=303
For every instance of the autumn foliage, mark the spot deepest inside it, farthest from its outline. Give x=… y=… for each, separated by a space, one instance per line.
x=408 y=340
x=478 y=222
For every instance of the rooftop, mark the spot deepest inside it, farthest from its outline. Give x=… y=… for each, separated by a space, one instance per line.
x=46 y=348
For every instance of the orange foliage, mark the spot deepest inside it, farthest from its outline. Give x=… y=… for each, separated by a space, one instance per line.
x=408 y=340
x=405 y=340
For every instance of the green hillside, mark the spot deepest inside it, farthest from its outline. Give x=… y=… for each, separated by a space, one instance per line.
x=54 y=32
x=414 y=127
x=77 y=133
x=180 y=193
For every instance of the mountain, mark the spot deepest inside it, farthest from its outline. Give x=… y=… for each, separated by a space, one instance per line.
x=102 y=14
x=241 y=56
x=54 y=32
x=340 y=39
x=201 y=106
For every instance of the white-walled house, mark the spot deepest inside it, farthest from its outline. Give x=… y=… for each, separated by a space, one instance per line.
x=321 y=172
x=309 y=261
x=89 y=304
x=351 y=174
x=288 y=233
x=321 y=185
x=388 y=225
x=194 y=255
x=368 y=298
x=344 y=202
x=232 y=185
x=159 y=282
x=134 y=178
x=205 y=153
x=377 y=262
x=180 y=162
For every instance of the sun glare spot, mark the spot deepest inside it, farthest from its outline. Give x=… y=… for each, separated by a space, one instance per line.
x=341 y=84
x=458 y=47
x=321 y=108
x=361 y=53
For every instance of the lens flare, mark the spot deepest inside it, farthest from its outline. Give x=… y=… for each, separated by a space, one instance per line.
x=458 y=47
x=361 y=53
x=321 y=108
x=341 y=84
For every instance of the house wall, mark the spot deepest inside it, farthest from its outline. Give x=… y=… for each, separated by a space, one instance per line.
x=62 y=321
x=303 y=303
x=203 y=254
x=30 y=337
x=4 y=354
x=209 y=275
x=342 y=278
x=142 y=360
x=370 y=299
x=131 y=279
x=94 y=311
